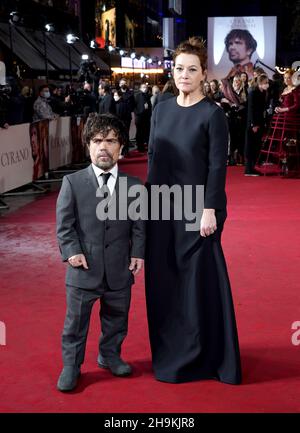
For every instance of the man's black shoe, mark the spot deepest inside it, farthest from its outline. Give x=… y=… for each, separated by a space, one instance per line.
x=68 y=378
x=117 y=366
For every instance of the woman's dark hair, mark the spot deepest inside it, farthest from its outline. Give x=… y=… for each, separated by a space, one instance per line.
x=229 y=93
x=104 y=123
x=106 y=87
x=118 y=91
x=194 y=45
x=216 y=83
x=262 y=78
x=170 y=87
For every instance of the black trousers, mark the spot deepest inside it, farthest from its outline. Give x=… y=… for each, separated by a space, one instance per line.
x=252 y=147
x=142 y=123
x=113 y=316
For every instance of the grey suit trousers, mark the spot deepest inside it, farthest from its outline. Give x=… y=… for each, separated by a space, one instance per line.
x=113 y=316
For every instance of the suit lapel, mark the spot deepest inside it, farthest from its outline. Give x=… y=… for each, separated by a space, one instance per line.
x=115 y=195
x=91 y=178
x=92 y=181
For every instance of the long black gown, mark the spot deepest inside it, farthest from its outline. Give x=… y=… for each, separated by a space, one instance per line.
x=190 y=310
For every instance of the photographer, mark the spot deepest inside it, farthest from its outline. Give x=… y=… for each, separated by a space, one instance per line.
x=106 y=100
x=87 y=102
x=4 y=101
x=58 y=102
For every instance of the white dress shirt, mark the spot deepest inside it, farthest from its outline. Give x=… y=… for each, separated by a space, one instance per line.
x=111 y=183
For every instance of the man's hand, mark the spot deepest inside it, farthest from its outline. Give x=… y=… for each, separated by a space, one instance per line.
x=255 y=129
x=136 y=265
x=78 y=260
x=208 y=223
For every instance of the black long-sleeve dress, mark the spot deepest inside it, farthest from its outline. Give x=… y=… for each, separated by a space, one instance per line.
x=190 y=310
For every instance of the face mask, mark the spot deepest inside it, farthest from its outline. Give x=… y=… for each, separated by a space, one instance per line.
x=47 y=95
x=116 y=98
x=123 y=87
x=144 y=90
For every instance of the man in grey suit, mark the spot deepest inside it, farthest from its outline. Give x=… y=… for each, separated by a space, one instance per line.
x=103 y=254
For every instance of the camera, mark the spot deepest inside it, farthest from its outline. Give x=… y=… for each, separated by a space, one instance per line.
x=87 y=70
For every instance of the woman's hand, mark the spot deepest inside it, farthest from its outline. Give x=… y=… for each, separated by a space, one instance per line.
x=208 y=224
x=281 y=110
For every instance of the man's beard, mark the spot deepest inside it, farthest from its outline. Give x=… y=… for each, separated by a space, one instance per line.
x=105 y=165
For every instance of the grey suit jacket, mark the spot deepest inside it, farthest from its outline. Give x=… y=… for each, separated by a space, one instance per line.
x=107 y=245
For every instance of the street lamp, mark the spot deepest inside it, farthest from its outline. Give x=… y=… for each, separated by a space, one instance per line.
x=110 y=49
x=143 y=60
x=94 y=45
x=14 y=18
x=133 y=56
x=49 y=28
x=71 y=39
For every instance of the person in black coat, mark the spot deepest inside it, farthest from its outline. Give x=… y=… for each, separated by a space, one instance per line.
x=106 y=100
x=128 y=98
x=4 y=101
x=87 y=100
x=26 y=93
x=257 y=105
x=121 y=112
x=142 y=113
x=169 y=91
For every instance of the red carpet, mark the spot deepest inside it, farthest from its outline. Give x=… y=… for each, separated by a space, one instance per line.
x=261 y=242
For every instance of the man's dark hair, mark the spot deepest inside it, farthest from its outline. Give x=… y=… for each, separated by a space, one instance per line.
x=244 y=35
x=106 y=87
x=42 y=87
x=104 y=123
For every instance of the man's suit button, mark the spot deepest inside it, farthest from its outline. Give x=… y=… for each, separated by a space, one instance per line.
x=106 y=246
x=107 y=227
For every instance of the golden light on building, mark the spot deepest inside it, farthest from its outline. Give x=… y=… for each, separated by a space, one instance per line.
x=137 y=71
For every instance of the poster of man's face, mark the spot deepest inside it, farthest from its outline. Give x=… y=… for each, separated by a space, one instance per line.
x=238 y=44
x=108 y=21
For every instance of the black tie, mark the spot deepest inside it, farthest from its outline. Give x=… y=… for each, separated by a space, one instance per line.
x=105 y=177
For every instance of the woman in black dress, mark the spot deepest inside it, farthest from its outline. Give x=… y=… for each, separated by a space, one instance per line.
x=190 y=310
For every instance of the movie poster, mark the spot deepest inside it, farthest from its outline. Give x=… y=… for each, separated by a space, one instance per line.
x=129 y=33
x=39 y=141
x=106 y=28
x=239 y=44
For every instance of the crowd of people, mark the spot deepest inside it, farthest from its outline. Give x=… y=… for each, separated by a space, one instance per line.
x=249 y=104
